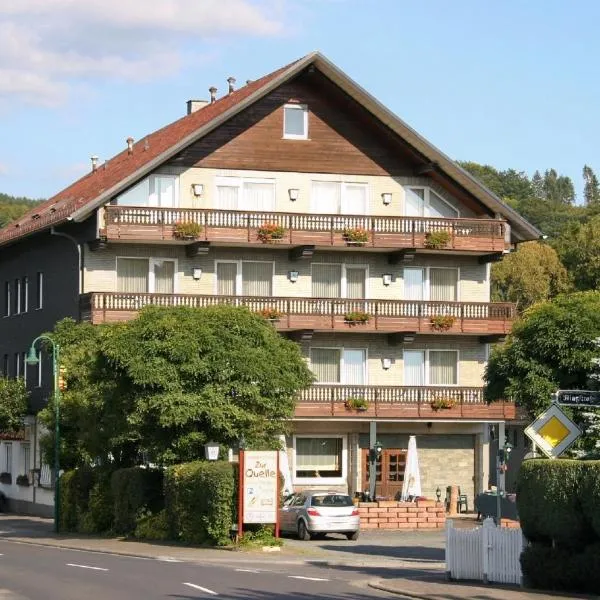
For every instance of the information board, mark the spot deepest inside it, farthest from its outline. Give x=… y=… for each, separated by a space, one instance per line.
x=260 y=486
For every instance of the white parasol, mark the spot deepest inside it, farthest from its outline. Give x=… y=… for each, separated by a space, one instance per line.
x=284 y=468
x=411 y=487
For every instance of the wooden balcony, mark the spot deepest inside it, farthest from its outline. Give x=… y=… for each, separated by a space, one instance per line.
x=397 y=402
x=152 y=224
x=323 y=314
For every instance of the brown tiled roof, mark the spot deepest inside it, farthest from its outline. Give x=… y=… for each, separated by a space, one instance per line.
x=58 y=208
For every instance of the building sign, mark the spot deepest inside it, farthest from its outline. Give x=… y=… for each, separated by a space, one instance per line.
x=580 y=398
x=553 y=432
x=260 y=486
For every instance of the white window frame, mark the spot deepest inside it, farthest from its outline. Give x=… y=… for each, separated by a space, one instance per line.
x=39 y=290
x=8 y=298
x=344 y=280
x=426 y=201
x=427 y=282
x=25 y=467
x=295 y=136
x=238 y=276
x=152 y=189
x=24 y=366
x=8 y=466
x=426 y=377
x=25 y=292
x=238 y=182
x=17 y=365
x=343 y=183
x=322 y=480
x=18 y=291
x=341 y=350
x=152 y=260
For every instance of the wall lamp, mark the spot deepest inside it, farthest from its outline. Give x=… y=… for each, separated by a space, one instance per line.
x=294 y=193
x=387 y=278
x=196 y=273
x=386 y=197
x=198 y=189
x=386 y=363
x=293 y=276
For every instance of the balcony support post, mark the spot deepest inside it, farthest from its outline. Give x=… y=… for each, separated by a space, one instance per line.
x=372 y=463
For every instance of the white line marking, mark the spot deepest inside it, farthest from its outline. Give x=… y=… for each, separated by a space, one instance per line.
x=86 y=567
x=307 y=578
x=202 y=589
x=167 y=559
x=239 y=570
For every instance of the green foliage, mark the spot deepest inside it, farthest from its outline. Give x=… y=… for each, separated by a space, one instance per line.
x=579 y=248
x=442 y=322
x=357 y=316
x=591 y=190
x=13 y=404
x=75 y=489
x=22 y=480
x=531 y=274
x=258 y=536
x=12 y=207
x=187 y=229
x=356 y=403
x=135 y=489
x=437 y=239
x=357 y=235
x=151 y=526
x=100 y=512
x=199 y=501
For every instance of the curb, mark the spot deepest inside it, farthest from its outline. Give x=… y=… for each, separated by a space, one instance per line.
x=377 y=585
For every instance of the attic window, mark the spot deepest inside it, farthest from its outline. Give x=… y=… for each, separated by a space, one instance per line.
x=295 y=122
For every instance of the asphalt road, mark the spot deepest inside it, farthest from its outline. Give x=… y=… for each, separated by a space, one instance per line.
x=30 y=572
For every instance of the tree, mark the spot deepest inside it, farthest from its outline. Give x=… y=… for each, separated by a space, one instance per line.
x=551 y=347
x=172 y=379
x=13 y=404
x=12 y=207
x=558 y=189
x=591 y=189
x=531 y=274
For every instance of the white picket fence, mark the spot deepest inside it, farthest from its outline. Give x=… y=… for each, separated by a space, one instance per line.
x=487 y=553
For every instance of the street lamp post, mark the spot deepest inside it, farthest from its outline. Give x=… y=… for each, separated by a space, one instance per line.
x=34 y=359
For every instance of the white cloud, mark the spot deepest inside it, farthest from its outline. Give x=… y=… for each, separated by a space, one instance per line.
x=48 y=45
x=3 y=169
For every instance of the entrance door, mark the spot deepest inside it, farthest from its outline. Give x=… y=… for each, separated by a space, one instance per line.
x=391 y=464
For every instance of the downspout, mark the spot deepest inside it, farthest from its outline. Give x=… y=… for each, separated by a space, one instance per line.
x=79 y=253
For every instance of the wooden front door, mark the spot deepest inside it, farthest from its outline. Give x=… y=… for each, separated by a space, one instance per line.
x=391 y=464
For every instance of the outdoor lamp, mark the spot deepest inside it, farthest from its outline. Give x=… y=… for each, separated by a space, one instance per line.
x=198 y=189
x=294 y=193
x=293 y=276
x=211 y=451
x=387 y=278
x=375 y=452
x=438 y=493
x=386 y=197
x=32 y=357
x=196 y=273
x=386 y=363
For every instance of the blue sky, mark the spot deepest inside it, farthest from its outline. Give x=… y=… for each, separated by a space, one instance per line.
x=512 y=83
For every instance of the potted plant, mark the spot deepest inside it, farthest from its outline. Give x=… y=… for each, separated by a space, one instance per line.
x=437 y=239
x=442 y=403
x=23 y=480
x=187 y=230
x=357 y=316
x=6 y=478
x=442 y=322
x=271 y=313
x=356 y=235
x=269 y=232
x=357 y=403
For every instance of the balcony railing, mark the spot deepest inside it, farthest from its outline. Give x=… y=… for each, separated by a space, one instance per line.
x=322 y=314
x=433 y=402
x=230 y=226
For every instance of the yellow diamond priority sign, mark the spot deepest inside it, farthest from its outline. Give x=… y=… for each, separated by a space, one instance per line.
x=553 y=432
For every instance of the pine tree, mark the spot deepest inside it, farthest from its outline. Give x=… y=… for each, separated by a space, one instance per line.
x=591 y=190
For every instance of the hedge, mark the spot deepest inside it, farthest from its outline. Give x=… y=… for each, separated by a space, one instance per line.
x=199 y=499
x=135 y=489
x=75 y=488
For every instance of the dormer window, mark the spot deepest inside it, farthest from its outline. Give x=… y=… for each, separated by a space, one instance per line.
x=424 y=202
x=295 y=122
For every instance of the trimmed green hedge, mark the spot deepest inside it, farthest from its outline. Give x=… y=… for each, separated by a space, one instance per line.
x=135 y=489
x=75 y=488
x=199 y=498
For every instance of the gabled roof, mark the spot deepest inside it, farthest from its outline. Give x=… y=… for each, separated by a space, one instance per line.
x=80 y=199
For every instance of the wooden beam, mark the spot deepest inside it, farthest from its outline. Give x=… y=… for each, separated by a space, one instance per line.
x=300 y=252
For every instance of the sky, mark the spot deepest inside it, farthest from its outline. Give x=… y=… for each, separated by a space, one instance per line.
x=511 y=83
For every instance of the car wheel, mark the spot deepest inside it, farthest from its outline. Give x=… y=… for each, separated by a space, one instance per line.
x=353 y=535
x=303 y=533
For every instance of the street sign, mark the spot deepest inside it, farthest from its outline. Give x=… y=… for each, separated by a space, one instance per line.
x=553 y=432
x=578 y=398
x=260 y=486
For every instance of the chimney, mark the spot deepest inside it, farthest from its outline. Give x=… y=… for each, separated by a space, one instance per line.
x=231 y=82
x=194 y=105
x=94 y=160
x=130 y=145
x=213 y=93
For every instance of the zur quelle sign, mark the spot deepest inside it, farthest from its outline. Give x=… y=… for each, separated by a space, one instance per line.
x=260 y=483
x=577 y=398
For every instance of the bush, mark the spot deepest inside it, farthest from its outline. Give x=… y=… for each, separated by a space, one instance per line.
x=135 y=489
x=100 y=514
x=199 y=501
x=75 y=489
x=589 y=493
x=152 y=526
x=259 y=535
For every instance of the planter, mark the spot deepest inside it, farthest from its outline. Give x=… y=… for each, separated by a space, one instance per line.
x=357 y=317
x=356 y=236
x=358 y=404
x=442 y=404
x=269 y=233
x=23 y=480
x=6 y=478
x=442 y=323
x=187 y=230
x=436 y=240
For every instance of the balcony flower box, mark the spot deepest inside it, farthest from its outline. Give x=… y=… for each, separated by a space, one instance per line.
x=271 y=314
x=443 y=404
x=6 y=478
x=268 y=233
x=187 y=230
x=356 y=236
x=442 y=322
x=23 y=480
x=357 y=403
x=436 y=240
x=357 y=317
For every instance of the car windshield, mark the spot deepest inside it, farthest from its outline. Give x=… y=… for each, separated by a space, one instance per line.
x=332 y=500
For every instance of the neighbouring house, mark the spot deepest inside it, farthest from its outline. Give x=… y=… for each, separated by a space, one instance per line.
x=299 y=195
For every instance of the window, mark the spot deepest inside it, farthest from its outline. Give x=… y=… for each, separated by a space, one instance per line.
x=430 y=367
x=337 y=197
x=39 y=300
x=25 y=294
x=39 y=368
x=145 y=275
x=340 y=500
x=319 y=457
x=237 y=193
x=339 y=281
x=17 y=364
x=24 y=366
x=7 y=299
x=17 y=298
x=244 y=278
x=8 y=458
x=295 y=121
x=431 y=283
x=339 y=365
x=424 y=202
x=25 y=459
x=156 y=190
x=5 y=366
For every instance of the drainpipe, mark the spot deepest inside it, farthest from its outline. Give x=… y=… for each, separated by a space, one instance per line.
x=79 y=253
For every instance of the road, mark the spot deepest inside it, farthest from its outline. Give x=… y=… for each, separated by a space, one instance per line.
x=30 y=572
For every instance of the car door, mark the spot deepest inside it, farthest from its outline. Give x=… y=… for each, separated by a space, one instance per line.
x=296 y=510
x=285 y=513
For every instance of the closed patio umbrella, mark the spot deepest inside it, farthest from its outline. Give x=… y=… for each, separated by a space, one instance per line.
x=412 y=476
x=284 y=467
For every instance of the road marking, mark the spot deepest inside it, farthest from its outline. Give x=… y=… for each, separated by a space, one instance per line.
x=307 y=578
x=239 y=570
x=86 y=567
x=168 y=559
x=202 y=589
